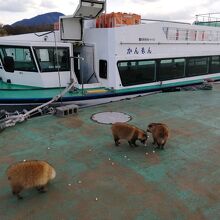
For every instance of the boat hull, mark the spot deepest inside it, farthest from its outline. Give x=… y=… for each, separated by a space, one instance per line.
x=82 y=102
x=19 y=104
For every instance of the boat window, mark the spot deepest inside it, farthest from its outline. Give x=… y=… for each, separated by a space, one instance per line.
x=23 y=59
x=137 y=72
x=215 y=64
x=103 y=69
x=171 y=69
x=47 y=59
x=197 y=66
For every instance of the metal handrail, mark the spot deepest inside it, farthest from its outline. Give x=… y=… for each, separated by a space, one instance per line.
x=158 y=20
x=208 y=17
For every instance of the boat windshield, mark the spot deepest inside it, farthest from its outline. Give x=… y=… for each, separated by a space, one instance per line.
x=52 y=59
x=22 y=56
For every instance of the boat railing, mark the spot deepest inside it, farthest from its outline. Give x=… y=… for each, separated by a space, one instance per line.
x=144 y=21
x=210 y=19
x=192 y=34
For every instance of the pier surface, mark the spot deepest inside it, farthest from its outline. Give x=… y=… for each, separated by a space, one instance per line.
x=98 y=181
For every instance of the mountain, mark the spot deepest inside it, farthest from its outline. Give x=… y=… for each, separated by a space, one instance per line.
x=44 y=19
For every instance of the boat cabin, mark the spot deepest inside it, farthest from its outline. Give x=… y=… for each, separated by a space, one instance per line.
x=37 y=64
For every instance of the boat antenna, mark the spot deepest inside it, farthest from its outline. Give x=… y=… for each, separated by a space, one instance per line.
x=58 y=67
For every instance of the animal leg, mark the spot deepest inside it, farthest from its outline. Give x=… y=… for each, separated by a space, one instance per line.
x=116 y=139
x=16 y=190
x=158 y=145
x=130 y=143
x=134 y=142
x=41 y=189
x=154 y=142
x=162 y=146
x=117 y=142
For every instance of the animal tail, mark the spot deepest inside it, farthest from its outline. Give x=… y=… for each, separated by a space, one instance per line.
x=53 y=174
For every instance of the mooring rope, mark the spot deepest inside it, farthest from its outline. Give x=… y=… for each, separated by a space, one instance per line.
x=11 y=120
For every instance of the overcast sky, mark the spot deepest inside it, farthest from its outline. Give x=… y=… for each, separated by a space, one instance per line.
x=14 y=10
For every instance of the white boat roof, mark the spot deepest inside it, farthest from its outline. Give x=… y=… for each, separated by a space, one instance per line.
x=39 y=38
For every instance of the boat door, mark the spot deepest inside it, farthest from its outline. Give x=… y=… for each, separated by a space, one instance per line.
x=71 y=27
x=84 y=65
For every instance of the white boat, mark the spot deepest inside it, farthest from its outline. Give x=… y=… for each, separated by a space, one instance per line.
x=98 y=65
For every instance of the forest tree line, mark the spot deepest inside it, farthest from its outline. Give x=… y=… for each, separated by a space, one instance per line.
x=14 y=30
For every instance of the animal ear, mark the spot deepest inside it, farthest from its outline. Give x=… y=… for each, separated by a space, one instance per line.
x=150 y=125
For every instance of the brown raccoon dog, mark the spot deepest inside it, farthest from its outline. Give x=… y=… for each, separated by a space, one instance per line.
x=29 y=174
x=160 y=133
x=129 y=133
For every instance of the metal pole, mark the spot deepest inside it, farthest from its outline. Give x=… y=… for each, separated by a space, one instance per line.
x=80 y=58
x=82 y=84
